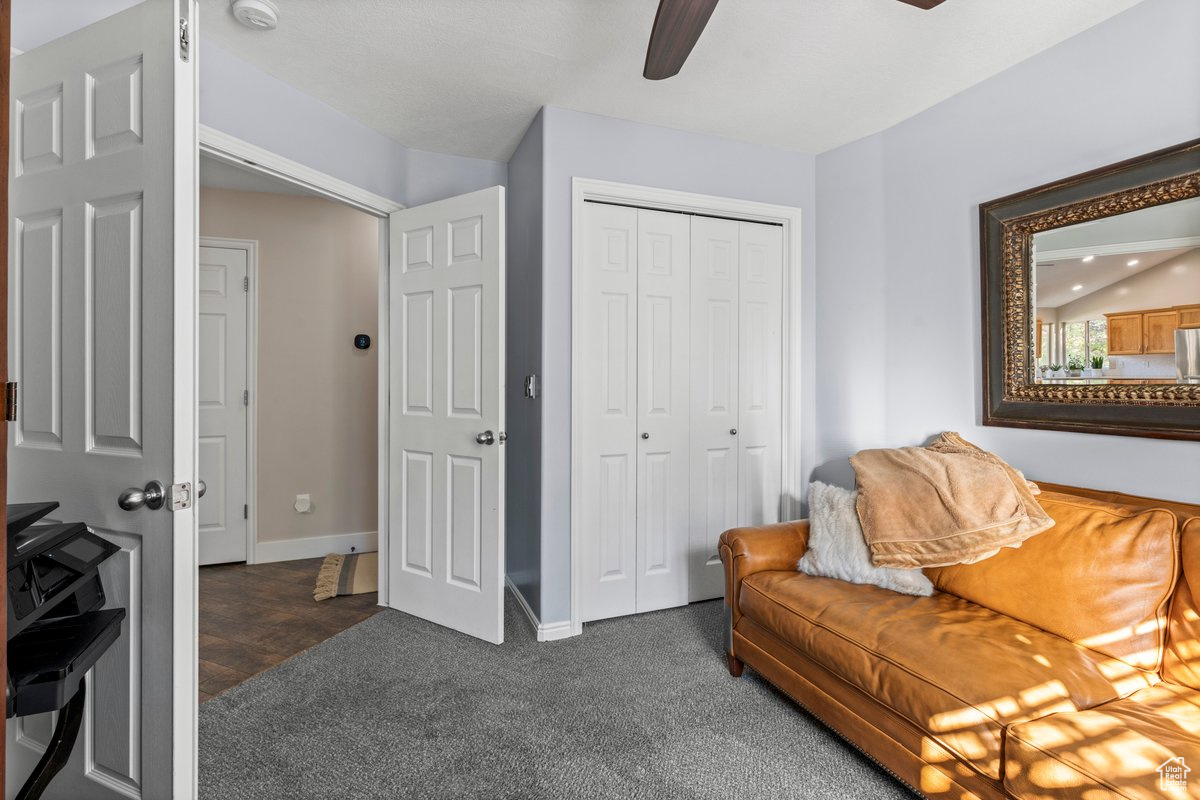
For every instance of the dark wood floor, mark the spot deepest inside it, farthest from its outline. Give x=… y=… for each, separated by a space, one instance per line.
x=254 y=617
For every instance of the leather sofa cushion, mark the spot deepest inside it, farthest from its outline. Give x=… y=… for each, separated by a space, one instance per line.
x=1101 y=577
x=956 y=669
x=1181 y=661
x=1115 y=749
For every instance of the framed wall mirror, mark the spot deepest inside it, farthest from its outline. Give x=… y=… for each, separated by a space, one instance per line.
x=1091 y=300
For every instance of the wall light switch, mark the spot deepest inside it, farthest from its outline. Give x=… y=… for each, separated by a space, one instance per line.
x=303 y=504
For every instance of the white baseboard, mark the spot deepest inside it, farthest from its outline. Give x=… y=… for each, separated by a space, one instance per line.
x=553 y=631
x=545 y=633
x=315 y=546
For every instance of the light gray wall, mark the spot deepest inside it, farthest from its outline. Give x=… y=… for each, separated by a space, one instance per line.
x=240 y=99
x=1125 y=87
x=36 y=22
x=523 y=491
x=851 y=335
x=591 y=146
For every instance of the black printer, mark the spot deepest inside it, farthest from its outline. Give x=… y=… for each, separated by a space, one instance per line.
x=57 y=625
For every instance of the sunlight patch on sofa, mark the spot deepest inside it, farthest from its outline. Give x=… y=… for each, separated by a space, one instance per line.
x=1100 y=640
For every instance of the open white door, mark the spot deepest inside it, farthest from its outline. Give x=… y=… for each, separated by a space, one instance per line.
x=102 y=260
x=446 y=416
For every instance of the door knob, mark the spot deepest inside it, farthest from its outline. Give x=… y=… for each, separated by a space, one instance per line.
x=487 y=437
x=733 y=431
x=151 y=497
x=645 y=436
x=201 y=488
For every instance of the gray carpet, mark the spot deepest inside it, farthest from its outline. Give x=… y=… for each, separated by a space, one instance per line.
x=638 y=707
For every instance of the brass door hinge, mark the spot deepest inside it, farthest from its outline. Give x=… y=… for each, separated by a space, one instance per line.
x=10 y=402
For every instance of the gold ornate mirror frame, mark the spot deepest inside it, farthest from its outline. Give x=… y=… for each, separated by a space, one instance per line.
x=1007 y=226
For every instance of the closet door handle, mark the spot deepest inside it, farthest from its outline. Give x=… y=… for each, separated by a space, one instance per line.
x=733 y=431
x=645 y=436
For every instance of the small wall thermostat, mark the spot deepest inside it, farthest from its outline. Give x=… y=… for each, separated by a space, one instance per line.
x=362 y=341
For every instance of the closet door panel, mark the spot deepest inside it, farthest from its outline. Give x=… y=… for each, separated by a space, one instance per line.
x=663 y=439
x=715 y=399
x=609 y=416
x=760 y=376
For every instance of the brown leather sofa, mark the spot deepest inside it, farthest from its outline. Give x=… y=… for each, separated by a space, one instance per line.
x=1067 y=668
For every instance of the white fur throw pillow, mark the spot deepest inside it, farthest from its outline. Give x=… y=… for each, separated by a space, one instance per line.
x=837 y=549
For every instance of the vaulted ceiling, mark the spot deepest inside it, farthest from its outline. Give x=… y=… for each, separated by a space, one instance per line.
x=467 y=76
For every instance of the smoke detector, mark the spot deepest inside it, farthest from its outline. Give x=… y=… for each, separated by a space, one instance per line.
x=258 y=15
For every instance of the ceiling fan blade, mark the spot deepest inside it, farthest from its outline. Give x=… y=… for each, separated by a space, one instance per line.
x=677 y=26
x=925 y=4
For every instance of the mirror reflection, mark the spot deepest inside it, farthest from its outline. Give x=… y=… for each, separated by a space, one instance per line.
x=1117 y=300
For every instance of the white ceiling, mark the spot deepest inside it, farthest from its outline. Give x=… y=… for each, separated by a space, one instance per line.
x=467 y=76
x=223 y=175
x=1055 y=280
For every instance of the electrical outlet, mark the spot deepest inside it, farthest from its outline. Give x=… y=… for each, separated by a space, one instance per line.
x=303 y=504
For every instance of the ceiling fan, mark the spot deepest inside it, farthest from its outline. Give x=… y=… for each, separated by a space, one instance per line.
x=679 y=23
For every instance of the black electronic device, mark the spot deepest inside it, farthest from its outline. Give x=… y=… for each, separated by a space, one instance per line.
x=362 y=341
x=57 y=625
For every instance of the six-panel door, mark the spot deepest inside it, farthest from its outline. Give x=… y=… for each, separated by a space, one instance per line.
x=102 y=270
x=446 y=416
x=222 y=399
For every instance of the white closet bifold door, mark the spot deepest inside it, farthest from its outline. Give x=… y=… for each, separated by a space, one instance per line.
x=760 y=383
x=714 y=379
x=678 y=325
x=608 y=433
x=664 y=268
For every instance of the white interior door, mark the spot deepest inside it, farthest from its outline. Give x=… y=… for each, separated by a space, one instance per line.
x=714 y=375
x=446 y=417
x=223 y=404
x=102 y=339
x=608 y=432
x=663 y=353
x=760 y=376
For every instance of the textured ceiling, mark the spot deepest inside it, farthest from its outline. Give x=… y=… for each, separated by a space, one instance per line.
x=467 y=76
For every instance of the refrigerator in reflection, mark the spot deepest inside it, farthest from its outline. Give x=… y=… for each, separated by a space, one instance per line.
x=1187 y=356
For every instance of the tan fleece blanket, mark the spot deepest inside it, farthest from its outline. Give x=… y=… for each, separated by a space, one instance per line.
x=948 y=503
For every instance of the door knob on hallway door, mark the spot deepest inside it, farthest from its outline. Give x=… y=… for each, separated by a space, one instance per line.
x=487 y=437
x=201 y=489
x=645 y=436
x=733 y=431
x=151 y=497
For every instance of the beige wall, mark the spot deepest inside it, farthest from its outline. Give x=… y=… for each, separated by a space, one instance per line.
x=318 y=285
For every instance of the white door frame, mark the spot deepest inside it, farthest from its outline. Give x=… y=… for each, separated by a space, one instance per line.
x=245 y=155
x=584 y=189
x=250 y=247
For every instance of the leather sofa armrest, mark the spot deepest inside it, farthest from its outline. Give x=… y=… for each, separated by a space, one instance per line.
x=745 y=551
